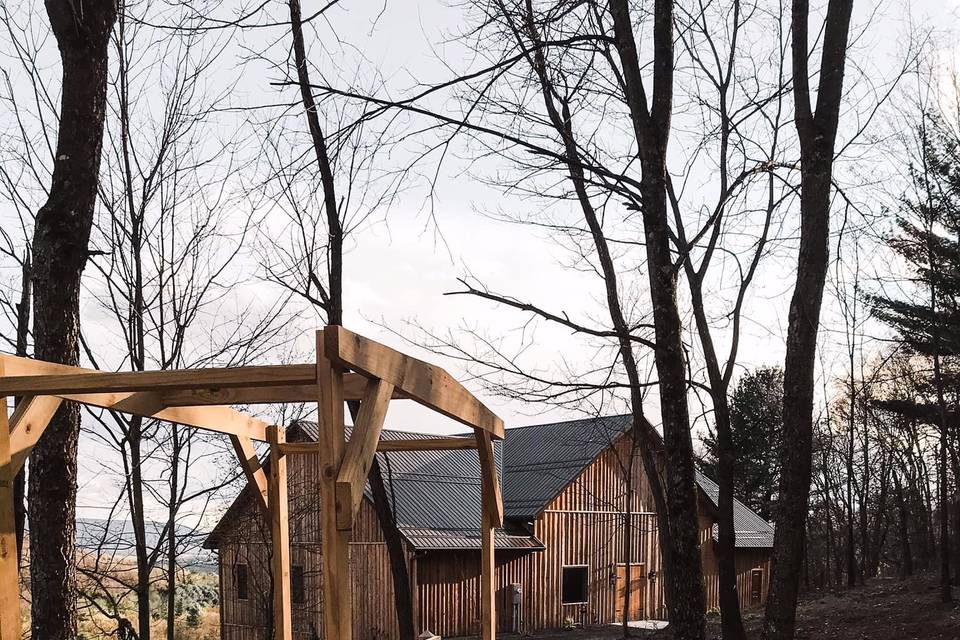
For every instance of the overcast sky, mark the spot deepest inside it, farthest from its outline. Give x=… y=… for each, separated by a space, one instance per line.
x=401 y=264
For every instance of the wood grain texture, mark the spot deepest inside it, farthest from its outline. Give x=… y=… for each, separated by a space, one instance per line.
x=425 y=383
x=90 y=381
x=492 y=496
x=337 y=607
x=279 y=538
x=27 y=424
x=358 y=457
x=252 y=469
x=9 y=570
x=354 y=385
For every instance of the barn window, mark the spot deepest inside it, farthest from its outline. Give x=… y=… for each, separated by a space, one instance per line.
x=573 y=588
x=297 y=587
x=240 y=576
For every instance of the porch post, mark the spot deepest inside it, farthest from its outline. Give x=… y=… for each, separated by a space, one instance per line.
x=9 y=569
x=488 y=613
x=280 y=536
x=337 y=615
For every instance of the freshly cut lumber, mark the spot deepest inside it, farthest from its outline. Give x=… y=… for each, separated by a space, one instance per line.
x=144 y=404
x=335 y=559
x=413 y=444
x=358 y=457
x=252 y=469
x=428 y=444
x=9 y=570
x=492 y=497
x=30 y=419
x=425 y=383
x=280 y=538
x=353 y=387
x=90 y=381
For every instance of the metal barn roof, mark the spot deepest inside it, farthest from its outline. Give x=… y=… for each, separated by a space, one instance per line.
x=540 y=460
x=436 y=494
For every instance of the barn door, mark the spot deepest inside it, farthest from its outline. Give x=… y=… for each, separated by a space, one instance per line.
x=637 y=590
x=756 y=587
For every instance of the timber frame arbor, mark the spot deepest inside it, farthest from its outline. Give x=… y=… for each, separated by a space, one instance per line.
x=349 y=368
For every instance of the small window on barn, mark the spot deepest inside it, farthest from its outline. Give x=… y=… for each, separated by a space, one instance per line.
x=297 y=585
x=240 y=578
x=573 y=588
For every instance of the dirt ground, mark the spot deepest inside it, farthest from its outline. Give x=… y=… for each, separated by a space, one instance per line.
x=884 y=609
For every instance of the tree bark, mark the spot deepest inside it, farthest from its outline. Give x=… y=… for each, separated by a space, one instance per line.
x=817 y=133
x=333 y=305
x=23 y=334
x=906 y=559
x=651 y=125
x=403 y=597
x=60 y=250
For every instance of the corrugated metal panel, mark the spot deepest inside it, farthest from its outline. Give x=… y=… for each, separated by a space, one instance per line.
x=436 y=494
x=541 y=460
x=753 y=532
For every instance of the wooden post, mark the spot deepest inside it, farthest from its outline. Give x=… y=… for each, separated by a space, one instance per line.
x=280 y=536
x=9 y=569
x=488 y=612
x=337 y=615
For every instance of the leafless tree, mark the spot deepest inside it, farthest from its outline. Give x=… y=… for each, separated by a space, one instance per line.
x=817 y=132
x=60 y=252
x=172 y=239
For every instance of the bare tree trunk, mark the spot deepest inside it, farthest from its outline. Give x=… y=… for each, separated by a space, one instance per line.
x=139 y=525
x=851 y=548
x=680 y=547
x=817 y=132
x=60 y=251
x=906 y=560
x=23 y=333
x=172 y=534
x=333 y=305
x=403 y=596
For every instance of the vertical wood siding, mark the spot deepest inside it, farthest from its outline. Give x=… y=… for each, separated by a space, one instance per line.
x=247 y=543
x=581 y=526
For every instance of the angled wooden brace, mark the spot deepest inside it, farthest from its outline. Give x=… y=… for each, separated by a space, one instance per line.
x=29 y=421
x=492 y=497
x=250 y=463
x=358 y=457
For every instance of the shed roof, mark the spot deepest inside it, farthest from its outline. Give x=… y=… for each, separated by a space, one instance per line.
x=541 y=460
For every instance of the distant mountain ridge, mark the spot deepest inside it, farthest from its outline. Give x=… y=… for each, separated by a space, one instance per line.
x=116 y=538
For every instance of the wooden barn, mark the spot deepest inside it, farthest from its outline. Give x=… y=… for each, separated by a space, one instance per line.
x=559 y=557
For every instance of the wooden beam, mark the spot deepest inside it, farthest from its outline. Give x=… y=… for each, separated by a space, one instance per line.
x=280 y=538
x=337 y=602
x=250 y=463
x=360 y=451
x=30 y=419
x=413 y=444
x=428 y=444
x=82 y=381
x=146 y=404
x=429 y=385
x=492 y=497
x=354 y=385
x=488 y=611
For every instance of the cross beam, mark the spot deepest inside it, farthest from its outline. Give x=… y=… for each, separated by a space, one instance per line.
x=349 y=367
